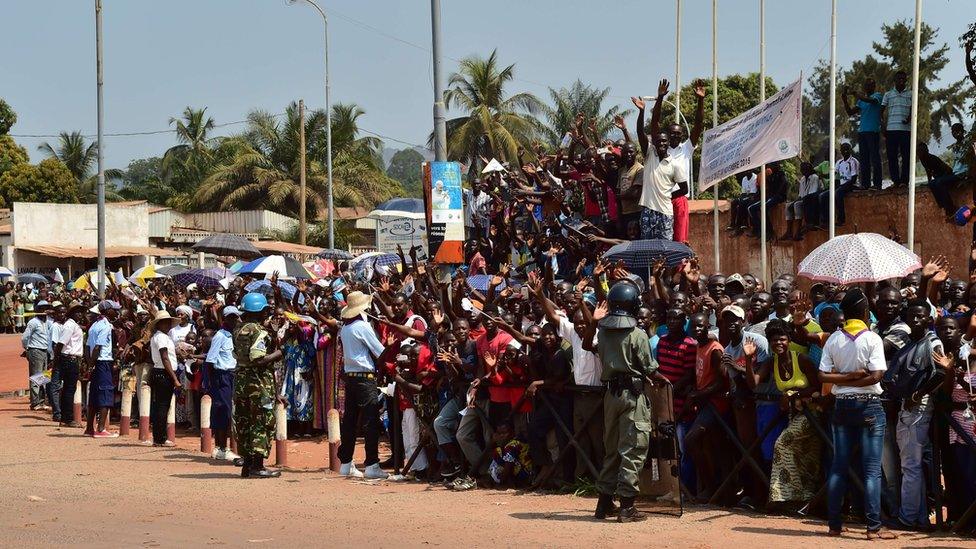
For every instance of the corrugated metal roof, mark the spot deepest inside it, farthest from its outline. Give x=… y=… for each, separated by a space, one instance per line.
x=110 y=251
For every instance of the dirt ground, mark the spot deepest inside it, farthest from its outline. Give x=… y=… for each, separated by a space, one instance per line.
x=63 y=489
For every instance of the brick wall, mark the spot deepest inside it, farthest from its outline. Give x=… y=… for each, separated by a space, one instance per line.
x=869 y=212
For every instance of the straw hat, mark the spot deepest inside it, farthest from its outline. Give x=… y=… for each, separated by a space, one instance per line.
x=160 y=316
x=356 y=304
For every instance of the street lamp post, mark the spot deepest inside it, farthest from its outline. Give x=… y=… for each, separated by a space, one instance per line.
x=101 y=164
x=328 y=122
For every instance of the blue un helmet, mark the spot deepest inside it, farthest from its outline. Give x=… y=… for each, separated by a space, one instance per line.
x=254 y=302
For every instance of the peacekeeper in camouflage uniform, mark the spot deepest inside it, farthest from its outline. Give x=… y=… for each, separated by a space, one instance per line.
x=254 y=387
x=625 y=353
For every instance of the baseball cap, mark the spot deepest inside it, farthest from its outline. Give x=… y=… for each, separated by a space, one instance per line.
x=231 y=310
x=735 y=279
x=735 y=310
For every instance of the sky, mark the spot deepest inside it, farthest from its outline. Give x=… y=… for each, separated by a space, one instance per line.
x=233 y=56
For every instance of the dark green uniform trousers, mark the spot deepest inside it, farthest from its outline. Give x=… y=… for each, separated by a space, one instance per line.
x=626 y=434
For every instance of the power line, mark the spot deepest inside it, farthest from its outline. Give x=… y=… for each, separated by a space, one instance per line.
x=133 y=133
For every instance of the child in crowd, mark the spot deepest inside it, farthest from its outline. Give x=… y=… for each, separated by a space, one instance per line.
x=510 y=461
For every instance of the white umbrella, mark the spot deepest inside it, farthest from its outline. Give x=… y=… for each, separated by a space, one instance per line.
x=6 y=272
x=861 y=257
x=493 y=166
x=396 y=208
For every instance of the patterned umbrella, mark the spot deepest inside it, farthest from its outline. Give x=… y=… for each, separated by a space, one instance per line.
x=286 y=267
x=320 y=268
x=860 y=257
x=171 y=269
x=333 y=253
x=227 y=244
x=638 y=255
x=203 y=278
x=481 y=282
x=264 y=287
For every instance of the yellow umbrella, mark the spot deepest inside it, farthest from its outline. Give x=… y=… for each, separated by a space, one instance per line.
x=143 y=274
x=82 y=282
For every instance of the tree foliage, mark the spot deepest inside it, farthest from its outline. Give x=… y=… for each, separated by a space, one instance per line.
x=493 y=123
x=578 y=98
x=49 y=181
x=7 y=117
x=11 y=154
x=80 y=157
x=405 y=168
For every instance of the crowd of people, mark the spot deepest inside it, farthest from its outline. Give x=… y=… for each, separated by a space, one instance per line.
x=530 y=364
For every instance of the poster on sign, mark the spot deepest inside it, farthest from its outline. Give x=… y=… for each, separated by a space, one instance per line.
x=403 y=231
x=445 y=211
x=766 y=133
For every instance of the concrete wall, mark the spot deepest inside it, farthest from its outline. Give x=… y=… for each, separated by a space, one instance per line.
x=76 y=225
x=867 y=212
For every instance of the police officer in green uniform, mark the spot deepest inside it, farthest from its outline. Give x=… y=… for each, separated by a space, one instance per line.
x=254 y=387
x=625 y=352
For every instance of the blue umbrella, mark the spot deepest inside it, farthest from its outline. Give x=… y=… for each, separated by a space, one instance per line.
x=481 y=282
x=638 y=255
x=264 y=287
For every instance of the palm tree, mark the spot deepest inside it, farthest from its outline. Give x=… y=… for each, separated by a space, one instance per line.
x=579 y=98
x=185 y=165
x=79 y=156
x=260 y=168
x=494 y=124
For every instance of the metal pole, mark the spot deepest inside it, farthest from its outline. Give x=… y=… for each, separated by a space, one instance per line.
x=762 y=169
x=328 y=124
x=833 y=114
x=715 y=223
x=440 y=128
x=914 y=138
x=677 y=65
x=101 y=156
x=302 y=228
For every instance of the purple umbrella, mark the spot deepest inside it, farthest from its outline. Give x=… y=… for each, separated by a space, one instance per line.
x=203 y=278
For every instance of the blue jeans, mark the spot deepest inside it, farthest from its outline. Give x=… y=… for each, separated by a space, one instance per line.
x=54 y=392
x=840 y=193
x=913 y=436
x=856 y=420
x=686 y=470
x=869 y=157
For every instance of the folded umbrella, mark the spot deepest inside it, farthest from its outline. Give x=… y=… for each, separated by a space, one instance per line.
x=860 y=257
x=638 y=255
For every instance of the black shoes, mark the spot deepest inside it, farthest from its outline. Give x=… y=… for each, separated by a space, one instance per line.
x=629 y=513
x=605 y=508
x=253 y=467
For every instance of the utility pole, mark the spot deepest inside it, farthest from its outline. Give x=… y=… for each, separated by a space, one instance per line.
x=440 y=128
x=101 y=156
x=677 y=65
x=302 y=228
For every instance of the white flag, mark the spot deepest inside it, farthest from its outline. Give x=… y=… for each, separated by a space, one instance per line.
x=58 y=277
x=765 y=133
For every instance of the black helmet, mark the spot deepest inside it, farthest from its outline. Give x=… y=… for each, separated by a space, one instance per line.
x=623 y=300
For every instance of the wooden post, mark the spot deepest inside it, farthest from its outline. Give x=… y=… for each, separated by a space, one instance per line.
x=302 y=227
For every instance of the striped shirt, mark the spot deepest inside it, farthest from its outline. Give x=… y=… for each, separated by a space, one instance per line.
x=898 y=104
x=675 y=360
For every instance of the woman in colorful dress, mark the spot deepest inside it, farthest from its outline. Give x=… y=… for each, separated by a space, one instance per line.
x=297 y=388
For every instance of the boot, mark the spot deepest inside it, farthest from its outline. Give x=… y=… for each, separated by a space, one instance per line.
x=258 y=470
x=629 y=513
x=245 y=463
x=605 y=507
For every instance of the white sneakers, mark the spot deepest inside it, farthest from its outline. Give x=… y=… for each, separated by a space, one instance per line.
x=349 y=470
x=223 y=454
x=375 y=472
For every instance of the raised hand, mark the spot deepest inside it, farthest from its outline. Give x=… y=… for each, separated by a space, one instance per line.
x=534 y=282
x=933 y=266
x=658 y=267
x=601 y=311
x=638 y=102
x=748 y=347
x=943 y=272
x=799 y=308
x=662 y=87
x=491 y=360
x=700 y=89
x=618 y=121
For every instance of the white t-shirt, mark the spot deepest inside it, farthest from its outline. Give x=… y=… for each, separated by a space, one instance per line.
x=178 y=333
x=587 y=368
x=847 y=169
x=71 y=337
x=162 y=341
x=682 y=154
x=660 y=176
x=844 y=354
x=750 y=184
x=809 y=185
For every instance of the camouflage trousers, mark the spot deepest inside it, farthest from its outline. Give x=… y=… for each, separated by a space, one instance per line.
x=254 y=411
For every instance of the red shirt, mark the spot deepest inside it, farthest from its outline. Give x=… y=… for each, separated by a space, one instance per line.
x=496 y=347
x=706 y=373
x=675 y=360
x=425 y=363
x=385 y=332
